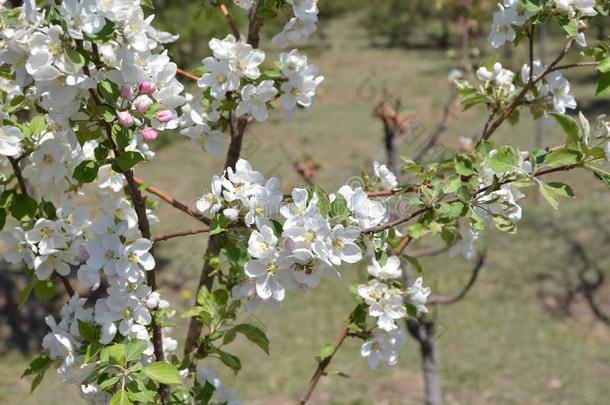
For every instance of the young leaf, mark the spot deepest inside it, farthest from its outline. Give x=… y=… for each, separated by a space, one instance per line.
x=134 y=349
x=230 y=360
x=562 y=157
x=254 y=335
x=553 y=191
x=129 y=159
x=163 y=372
x=570 y=127
x=86 y=171
x=121 y=398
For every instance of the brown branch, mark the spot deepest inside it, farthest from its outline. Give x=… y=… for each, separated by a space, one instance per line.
x=177 y=234
x=233 y=154
x=171 y=200
x=575 y=65
x=18 y=175
x=530 y=35
x=186 y=74
x=66 y=283
x=323 y=364
x=442 y=126
x=521 y=96
x=438 y=299
x=392 y=224
x=225 y=12
x=143 y=224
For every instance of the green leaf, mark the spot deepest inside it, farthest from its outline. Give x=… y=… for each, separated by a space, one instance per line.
x=603 y=84
x=86 y=133
x=44 y=290
x=107 y=113
x=105 y=34
x=326 y=351
x=109 y=91
x=24 y=295
x=87 y=331
x=463 y=166
x=218 y=224
x=504 y=223
x=23 y=207
x=2 y=218
x=220 y=296
x=115 y=354
x=121 y=398
x=92 y=350
x=86 y=171
x=134 y=349
x=323 y=199
x=505 y=160
x=76 y=58
x=230 y=360
x=163 y=372
x=562 y=157
x=128 y=159
x=38 y=365
x=266 y=13
x=38 y=124
x=570 y=127
x=553 y=191
x=414 y=262
x=254 y=335
x=604 y=65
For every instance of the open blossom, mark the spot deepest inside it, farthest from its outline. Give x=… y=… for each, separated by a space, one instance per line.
x=584 y=7
x=210 y=203
x=385 y=303
x=254 y=100
x=10 y=140
x=383 y=347
x=365 y=212
x=135 y=257
x=510 y=13
x=47 y=235
x=390 y=270
x=388 y=179
x=108 y=178
x=418 y=295
x=261 y=245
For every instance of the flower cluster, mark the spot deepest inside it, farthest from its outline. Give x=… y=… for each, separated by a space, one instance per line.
x=301 y=25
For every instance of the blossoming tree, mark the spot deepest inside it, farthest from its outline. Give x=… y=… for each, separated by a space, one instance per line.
x=85 y=84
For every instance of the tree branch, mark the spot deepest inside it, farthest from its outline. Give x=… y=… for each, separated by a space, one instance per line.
x=488 y=132
x=225 y=12
x=438 y=299
x=171 y=200
x=186 y=74
x=324 y=363
x=177 y=234
x=233 y=154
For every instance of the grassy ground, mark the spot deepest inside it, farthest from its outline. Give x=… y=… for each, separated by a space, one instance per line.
x=499 y=346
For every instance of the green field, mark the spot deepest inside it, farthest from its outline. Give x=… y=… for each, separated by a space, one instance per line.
x=498 y=346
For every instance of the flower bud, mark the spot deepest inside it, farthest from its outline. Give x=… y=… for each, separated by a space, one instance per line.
x=231 y=213
x=125 y=119
x=128 y=92
x=147 y=87
x=153 y=299
x=165 y=116
x=149 y=134
x=143 y=103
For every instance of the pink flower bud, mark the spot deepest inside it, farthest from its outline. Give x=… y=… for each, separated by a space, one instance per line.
x=128 y=92
x=147 y=87
x=149 y=134
x=152 y=301
x=165 y=115
x=143 y=103
x=125 y=119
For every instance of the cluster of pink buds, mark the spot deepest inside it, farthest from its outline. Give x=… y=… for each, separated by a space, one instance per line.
x=141 y=102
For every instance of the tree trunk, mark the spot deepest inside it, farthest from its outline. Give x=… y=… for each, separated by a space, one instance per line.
x=423 y=332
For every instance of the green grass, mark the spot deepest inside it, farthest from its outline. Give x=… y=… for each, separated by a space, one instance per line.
x=498 y=346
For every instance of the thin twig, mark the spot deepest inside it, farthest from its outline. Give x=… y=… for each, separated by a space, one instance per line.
x=323 y=364
x=439 y=299
x=171 y=200
x=18 y=175
x=177 y=234
x=186 y=74
x=521 y=96
x=225 y=12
